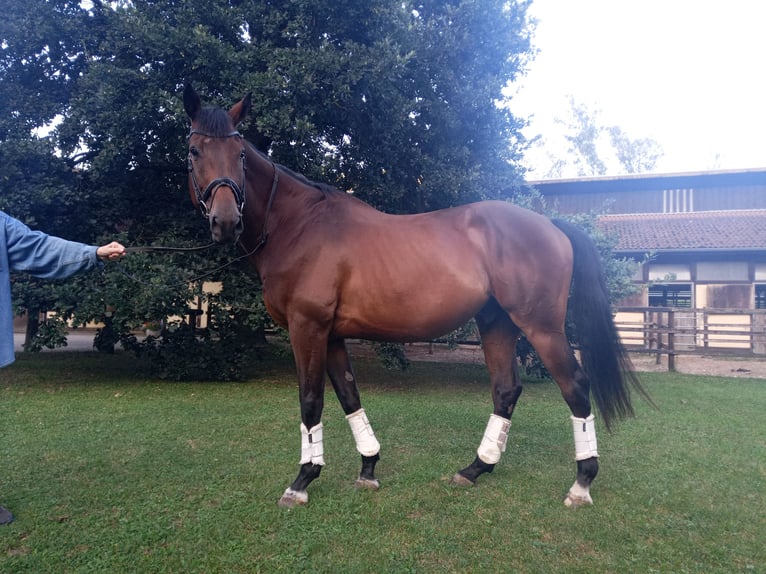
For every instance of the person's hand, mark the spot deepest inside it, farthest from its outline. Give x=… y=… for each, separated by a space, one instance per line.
x=110 y=251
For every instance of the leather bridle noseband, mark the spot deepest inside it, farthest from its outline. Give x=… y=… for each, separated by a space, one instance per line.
x=238 y=191
x=204 y=196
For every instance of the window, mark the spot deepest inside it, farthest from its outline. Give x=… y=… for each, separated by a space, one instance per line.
x=760 y=296
x=722 y=271
x=674 y=295
x=677 y=200
x=669 y=272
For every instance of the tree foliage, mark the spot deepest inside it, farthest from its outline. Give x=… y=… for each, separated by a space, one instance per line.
x=393 y=101
x=637 y=155
x=594 y=149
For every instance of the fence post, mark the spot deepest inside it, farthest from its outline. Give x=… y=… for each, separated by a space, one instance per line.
x=705 y=334
x=660 y=328
x=671 y=342
x=758 y=330
x=657 y=325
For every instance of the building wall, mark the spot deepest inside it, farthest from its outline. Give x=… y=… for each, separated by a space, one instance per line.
x=711 y=191
x=728 y=198
x=676 y=200
x=697 y=280
x=715 y=284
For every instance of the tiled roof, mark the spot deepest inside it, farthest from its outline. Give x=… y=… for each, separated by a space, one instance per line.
x=728 y=230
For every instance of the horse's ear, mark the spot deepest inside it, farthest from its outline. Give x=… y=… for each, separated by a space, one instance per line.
x=192 y=103
x=239 y=110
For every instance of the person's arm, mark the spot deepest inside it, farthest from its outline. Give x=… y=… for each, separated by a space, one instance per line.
x=46 y=256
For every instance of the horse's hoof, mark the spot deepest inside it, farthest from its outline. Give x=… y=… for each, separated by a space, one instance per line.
x=367 y=484
x=578 y=495
x=460 y=480
x=572 y=501
x=292 y=498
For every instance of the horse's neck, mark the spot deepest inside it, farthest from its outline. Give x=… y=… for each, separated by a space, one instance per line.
x=278 y=201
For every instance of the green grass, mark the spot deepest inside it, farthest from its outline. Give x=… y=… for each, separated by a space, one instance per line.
x=108 y=470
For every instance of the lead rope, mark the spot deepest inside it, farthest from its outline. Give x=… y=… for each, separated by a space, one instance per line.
x=164 y=249
x=150 y=249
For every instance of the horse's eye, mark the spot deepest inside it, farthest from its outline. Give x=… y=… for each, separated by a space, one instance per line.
x=194 y=152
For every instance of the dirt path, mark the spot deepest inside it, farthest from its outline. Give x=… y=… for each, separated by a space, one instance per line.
x=690 y=364
x=716 y=366
x=695 y=365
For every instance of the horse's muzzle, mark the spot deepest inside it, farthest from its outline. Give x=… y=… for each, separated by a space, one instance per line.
x=225 y=230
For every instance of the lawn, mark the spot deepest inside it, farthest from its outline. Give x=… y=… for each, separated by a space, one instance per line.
x=109 y=470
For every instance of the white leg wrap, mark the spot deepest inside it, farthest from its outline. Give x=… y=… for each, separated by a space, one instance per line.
x=312 y=448
x=584 y=437
x=495 y=438
x=366 y=443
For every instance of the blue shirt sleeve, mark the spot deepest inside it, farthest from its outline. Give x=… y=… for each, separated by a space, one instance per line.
x=43 y=255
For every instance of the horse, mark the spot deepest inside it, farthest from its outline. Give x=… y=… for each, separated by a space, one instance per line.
x=332 y=268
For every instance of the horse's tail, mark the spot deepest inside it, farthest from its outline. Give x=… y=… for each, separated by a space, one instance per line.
x=604 y=359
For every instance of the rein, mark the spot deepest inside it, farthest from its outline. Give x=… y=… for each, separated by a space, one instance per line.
x=265 y=230
x=161 y=249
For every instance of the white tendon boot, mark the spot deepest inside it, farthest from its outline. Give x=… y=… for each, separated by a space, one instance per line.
x=495 y=438
x=586 y=447
x=312 y=450
x=312 y=446
x=366 y=444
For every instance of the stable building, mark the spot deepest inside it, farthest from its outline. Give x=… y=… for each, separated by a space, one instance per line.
x=700 y=238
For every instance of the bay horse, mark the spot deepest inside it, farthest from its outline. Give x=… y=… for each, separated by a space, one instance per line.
x=332 y=267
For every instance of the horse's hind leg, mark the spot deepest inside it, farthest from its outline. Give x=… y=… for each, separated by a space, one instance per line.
x=498 y=335
x=344 y=382
x=557 y=356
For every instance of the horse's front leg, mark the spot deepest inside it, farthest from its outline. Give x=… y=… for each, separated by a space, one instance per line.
x=344 y=382
x=309 y=342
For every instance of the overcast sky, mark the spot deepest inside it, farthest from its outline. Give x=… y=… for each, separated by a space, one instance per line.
x=690 y=74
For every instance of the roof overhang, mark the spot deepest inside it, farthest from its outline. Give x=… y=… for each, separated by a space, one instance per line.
x=651 y=181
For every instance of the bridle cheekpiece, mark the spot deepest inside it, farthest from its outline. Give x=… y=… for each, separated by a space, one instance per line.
x=204 y=196
x=237 y=190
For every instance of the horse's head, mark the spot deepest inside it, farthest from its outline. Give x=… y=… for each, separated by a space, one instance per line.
x=217 y=165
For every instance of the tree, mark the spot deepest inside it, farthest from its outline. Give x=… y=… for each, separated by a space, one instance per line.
x=635 y=155
x=593 y=149
x=583 y=134
x=394 y=101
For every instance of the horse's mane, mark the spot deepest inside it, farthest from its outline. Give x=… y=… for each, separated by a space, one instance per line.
x=323 y=187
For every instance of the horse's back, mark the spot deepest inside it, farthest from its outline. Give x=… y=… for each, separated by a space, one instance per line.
x=408 y=277
x=415 y=276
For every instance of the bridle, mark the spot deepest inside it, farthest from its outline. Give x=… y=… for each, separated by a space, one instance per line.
x=237 y=190
x=204 y=196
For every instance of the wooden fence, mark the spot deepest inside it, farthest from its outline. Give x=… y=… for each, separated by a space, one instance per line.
x=675 y=331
